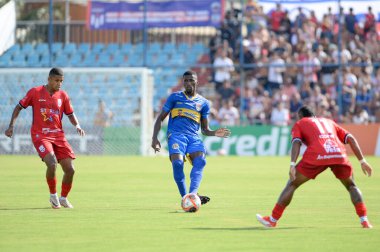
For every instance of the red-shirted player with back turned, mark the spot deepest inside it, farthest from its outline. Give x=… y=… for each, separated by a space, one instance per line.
x=49 y=103
x=325 y=149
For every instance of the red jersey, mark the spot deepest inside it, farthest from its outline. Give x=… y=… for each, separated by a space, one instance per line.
x=47 y=110
x=324 y=140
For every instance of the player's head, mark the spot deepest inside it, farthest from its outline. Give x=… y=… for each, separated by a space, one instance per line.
x=55 y=79
x=190 y=82
x=305 y=111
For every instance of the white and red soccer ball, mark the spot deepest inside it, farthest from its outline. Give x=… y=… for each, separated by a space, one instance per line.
x=191 y=202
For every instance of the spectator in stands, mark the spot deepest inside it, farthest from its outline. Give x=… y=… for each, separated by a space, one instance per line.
x=300 y=18
x=280 y=115
x=229 y=114
x=370 y=22
x=276 y=69
x=226 y=92
x=276 y=18
x=214 y=43
x=224 y=66
x=103 y=116
x=351 y=22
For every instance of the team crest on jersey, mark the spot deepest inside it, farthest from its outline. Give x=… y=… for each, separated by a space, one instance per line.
x=175 y=146
x=59 y=102
x=198 y=106
x=331 y=146
x=42 y=148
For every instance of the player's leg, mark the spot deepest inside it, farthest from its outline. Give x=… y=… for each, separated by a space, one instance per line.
x=345 y=174
x=178 y=174
x=65 y=156
x=51 y=179
x=67 y=181
x=177 y=145
x=45 y=150
x=285 y=198
x=197 y=155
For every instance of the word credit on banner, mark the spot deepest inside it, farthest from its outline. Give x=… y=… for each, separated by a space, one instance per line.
x=125 y=15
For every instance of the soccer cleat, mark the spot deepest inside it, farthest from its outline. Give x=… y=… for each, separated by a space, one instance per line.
x=266 y=221
x=204 y=199
x=366 y=224
x=54 y=201
x=65 y=202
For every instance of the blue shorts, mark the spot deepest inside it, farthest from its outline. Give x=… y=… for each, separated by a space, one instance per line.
x=184 y=144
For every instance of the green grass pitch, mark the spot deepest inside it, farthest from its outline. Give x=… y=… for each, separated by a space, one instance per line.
x=132 y=204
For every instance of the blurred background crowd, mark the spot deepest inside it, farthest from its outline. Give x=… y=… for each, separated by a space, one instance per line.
x=294 y=62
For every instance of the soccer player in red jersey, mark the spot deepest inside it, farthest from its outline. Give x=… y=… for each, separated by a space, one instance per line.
x=49 y=103
x=325 y=149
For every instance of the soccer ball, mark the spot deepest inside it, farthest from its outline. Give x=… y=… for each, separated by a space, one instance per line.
x=191 y=202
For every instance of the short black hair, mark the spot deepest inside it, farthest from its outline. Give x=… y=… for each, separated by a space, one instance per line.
x=190 y=73
x=306 y=111
x=55 y=71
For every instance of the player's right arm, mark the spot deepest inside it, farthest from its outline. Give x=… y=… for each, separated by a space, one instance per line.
x=366 y=167
x=16 y=112
x=156 y=145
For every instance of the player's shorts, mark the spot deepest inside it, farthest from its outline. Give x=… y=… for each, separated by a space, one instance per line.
x=58 y=145
x=183 y=144
x=341 y=171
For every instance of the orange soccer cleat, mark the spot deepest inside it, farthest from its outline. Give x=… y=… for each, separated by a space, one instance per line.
x=266 y=221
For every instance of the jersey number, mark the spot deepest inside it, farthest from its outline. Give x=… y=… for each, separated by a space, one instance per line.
x=322 y=125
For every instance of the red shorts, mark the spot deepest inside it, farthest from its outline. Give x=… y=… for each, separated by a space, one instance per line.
x=341 y=171
x=58 y=145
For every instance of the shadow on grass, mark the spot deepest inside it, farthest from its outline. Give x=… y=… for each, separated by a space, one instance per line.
x=24 y=209
x=248 y=228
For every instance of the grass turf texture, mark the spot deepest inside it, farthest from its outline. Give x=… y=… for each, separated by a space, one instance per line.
x=132 y=204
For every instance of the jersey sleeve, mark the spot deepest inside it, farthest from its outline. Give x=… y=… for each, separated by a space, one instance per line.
x=169 y=104
x=67 y=107
x=296 y=132
x=28 y=99
x=205 y=110
x=341 y=133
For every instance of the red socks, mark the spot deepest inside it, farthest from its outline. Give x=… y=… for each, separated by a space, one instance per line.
x=65 y=189
x=361 y=209
x=277 y=211
x=52 y=184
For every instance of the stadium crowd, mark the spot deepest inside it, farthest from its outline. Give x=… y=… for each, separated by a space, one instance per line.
x=295 y=62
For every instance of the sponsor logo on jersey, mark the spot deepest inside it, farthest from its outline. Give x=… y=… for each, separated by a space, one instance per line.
x=42 y=148
x=175 y=146
x=331 y=146
x=198 y=106
x=41 y=100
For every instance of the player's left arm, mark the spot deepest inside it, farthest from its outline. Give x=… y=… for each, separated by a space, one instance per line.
x=74 y=121
x=366 y=167
x=69 y=111
x=221 y=132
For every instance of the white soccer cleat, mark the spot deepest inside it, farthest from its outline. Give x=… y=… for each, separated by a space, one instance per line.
x=265 y=220
x=54 y=201
x=65 y=202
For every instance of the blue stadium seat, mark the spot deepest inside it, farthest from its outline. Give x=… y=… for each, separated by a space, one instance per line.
x=33 y=60
x=104 y=60
x=5 y=59
x=27 y=48
x=76 y=60
x=169 y=48
x=14 y=48
x=112 y=48
x=42 y=48
x=84 y=48
x=183 y=47
x=126 y=48
x=70 y=48
x=97 y=48
x=56 y=48
x=61 y=60
x=18 y=60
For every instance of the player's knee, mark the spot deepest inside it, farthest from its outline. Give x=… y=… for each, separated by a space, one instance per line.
x=51 y=164
x=70 y=171
x=199 y=162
